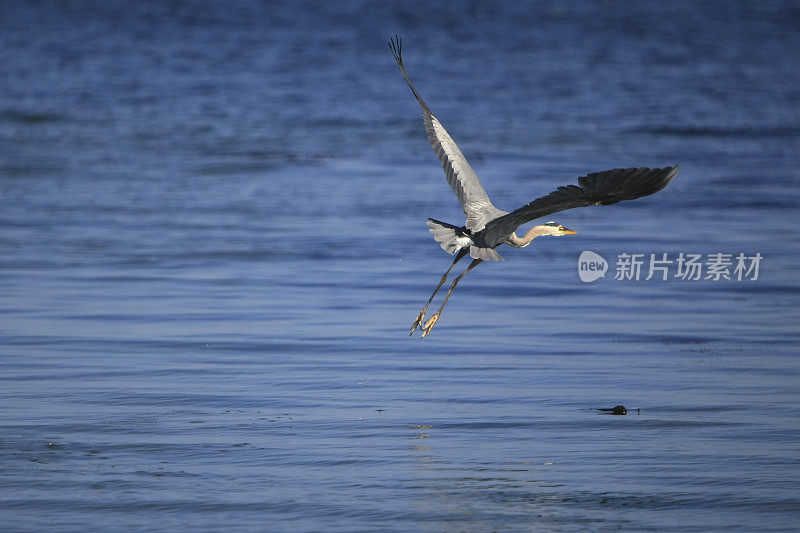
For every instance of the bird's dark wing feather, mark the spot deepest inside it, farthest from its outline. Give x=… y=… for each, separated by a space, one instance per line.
x=460 y=176
x=599 y=188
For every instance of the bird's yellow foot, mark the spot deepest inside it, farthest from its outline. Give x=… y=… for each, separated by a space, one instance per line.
x=426 y=329
x=418 y=321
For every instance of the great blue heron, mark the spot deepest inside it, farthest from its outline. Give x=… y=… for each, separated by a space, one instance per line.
x=487 y=227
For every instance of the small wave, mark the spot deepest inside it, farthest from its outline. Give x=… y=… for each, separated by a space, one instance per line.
x=746 y=132
x=31 y=117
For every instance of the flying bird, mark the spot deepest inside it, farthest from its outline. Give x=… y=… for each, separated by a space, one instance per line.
x=488 y=227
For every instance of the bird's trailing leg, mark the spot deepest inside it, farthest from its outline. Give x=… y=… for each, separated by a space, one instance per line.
x=421 y=316
x=426 y=329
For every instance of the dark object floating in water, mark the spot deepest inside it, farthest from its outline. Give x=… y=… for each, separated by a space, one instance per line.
x=618 y=410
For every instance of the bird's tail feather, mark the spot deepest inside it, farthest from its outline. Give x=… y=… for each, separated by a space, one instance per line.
x=451 y=242
x=445 y=234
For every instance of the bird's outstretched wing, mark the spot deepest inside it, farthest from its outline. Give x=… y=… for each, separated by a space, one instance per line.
x=462 y=179
x=599 y=188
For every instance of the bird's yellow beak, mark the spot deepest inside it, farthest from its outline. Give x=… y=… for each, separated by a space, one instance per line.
x=566 y=231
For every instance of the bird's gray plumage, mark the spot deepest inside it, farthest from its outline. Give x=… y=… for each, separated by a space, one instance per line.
x=460 y=176
x=598 y=188
x=491 y=226
x=487 y=227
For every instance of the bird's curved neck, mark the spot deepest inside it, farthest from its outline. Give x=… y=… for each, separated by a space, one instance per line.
x=522 y=242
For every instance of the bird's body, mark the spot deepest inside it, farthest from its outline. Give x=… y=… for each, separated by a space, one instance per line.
x=487 y=227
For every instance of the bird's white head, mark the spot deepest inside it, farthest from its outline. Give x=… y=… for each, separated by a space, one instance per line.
x=555 y=229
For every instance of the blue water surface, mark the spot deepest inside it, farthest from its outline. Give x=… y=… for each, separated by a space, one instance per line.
x=213 y=243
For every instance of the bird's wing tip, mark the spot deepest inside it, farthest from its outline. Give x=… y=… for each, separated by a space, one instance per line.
x=670 y=173
x=396 y=46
